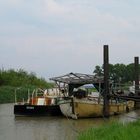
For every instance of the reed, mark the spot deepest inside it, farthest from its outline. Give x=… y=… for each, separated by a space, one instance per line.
x=7 y=93
x=113 y=131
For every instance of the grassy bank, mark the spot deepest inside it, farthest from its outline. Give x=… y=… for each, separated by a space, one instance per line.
x=113 y=131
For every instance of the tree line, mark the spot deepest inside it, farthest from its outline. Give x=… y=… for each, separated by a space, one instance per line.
x=19 y=78
x=20 y=81
x=118 y=72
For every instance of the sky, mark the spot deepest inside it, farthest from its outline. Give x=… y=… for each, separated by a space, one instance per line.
x=56 y=37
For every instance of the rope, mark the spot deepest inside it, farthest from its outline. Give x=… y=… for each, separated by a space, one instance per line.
x=71 y=126
x=70 y=122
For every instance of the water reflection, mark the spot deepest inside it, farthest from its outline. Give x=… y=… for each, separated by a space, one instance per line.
x=49 y=128
x=130 y=117
x=44 y=128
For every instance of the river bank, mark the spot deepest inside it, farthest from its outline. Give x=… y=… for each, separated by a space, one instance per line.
x=113 y=131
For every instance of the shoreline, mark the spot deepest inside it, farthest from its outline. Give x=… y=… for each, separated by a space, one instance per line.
x=113 y=131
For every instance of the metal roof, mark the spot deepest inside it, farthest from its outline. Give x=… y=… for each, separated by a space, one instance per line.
x=78 y=78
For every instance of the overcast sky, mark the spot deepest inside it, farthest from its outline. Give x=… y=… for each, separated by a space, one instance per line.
x=55 y=37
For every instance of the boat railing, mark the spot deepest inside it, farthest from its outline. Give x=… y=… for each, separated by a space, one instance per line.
x=99 y=100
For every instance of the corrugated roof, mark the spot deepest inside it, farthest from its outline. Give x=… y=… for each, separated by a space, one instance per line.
x=78 y=78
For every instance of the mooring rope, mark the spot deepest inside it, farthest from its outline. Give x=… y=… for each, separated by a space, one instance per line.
x=70 y=122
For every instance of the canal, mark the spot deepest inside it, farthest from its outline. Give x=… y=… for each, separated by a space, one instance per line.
x=49 y=128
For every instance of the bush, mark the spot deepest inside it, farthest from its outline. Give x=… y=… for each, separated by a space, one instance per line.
x=21 y=81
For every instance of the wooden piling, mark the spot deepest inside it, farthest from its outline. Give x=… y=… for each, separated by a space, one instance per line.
x=106 y=82
x=136 y=60
x=136 y=69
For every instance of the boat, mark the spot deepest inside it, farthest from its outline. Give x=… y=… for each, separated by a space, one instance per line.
x=91 y=107
x=83 y=103
x=39 y=103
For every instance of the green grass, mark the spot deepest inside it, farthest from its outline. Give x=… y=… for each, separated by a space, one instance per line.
x=113 y=131
x=7 y=93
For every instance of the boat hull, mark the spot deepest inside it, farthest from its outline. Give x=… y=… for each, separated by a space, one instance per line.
x=86 y=109
x=37 y=110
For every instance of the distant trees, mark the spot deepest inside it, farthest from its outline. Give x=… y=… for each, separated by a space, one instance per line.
x=21 y=78
x=118 y=72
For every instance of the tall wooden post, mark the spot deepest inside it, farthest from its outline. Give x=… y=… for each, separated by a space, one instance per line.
x=106 y=82
x=136 y=59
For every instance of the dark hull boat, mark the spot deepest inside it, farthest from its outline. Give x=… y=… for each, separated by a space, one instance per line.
x=39 y=104
x=37 y=110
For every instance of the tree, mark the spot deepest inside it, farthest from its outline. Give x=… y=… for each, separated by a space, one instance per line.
x=130 y=72
x=118 y=72
x=98 y=71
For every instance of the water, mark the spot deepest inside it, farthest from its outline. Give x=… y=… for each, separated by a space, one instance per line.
x=49 y=128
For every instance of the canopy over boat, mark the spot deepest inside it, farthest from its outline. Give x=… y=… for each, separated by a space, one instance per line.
x=78 y=78
x=75 y=80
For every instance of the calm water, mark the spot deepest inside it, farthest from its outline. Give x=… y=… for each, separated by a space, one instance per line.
x=48 y=128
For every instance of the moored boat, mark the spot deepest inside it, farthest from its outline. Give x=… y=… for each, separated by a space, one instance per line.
x=81 y=103
x=41 y=103
x=86 y=107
